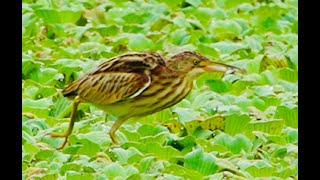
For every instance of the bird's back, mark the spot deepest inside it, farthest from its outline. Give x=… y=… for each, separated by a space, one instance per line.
x=116 y=79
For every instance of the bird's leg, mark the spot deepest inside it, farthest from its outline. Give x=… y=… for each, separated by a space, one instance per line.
x=76 y=102
x=114 y=128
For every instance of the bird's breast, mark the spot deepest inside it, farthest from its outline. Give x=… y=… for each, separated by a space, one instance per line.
x=161 y=94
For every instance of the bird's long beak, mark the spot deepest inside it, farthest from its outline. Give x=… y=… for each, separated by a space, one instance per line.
x=210 y=66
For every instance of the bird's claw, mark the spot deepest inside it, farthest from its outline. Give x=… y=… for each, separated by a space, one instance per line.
x=59 y=135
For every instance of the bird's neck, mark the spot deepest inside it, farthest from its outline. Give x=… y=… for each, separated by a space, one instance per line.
x=166 y=72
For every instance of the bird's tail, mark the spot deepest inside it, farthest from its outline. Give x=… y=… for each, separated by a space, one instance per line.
x=71 y=89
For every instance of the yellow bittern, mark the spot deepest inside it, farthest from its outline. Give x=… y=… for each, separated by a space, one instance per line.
x=138 y=84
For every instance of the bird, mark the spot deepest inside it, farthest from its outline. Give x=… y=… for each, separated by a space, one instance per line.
x=138 y=84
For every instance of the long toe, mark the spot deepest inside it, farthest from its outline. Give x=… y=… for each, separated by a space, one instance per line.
x=114 y=146
x=58 y=135
x=63 y=144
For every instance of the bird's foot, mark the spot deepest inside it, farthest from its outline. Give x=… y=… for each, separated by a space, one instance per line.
x=114 y=146
x=63 y=144
x=114 y=139
x=59 y=135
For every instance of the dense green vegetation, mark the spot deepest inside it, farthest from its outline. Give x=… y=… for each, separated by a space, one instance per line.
x=228 y=127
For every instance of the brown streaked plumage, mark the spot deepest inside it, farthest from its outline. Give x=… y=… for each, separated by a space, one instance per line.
x=138 y=84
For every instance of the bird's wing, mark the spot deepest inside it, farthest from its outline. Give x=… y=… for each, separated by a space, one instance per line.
x=131 y=63
x=120 y=78
x=109 y=87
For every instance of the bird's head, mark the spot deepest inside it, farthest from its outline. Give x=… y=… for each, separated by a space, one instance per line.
x=194 y=64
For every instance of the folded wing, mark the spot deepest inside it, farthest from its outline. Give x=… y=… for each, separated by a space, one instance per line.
x=115 y=80
x=107 y=88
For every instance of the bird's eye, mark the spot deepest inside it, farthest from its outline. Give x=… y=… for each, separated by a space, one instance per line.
x=196 y=62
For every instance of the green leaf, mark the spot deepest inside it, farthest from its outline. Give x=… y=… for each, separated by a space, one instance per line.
x=186 y=114
x=179 y=37
x=181 y=23
x=73 y=149
x=145 y=164
x=184 y=144
x=292 y=136
x=73 y=176
x=45 y=155
x=93 y=50
x=229 y=166
x=133 y=18
x=154 y=148
x=234 y=143
x=232 y=3
x=268 y=77
x=116 y=170
x=192 y=126
x=134 y=29
x=98 y=137
x=172 y=3
x=30 y=148
x=201 y=99
x=124 y=156
x=271 y=101
x=289 y=115
x=69 y=167
x=254 y=42
x=34 y=90
x=286 y=173
x=219 y=13
x=58 y=16
x=38 y=107
x=159 y=24
x=263 y=90
x=218 y=86
x=161 y=116
x=88 y=148
x=258 y=168
x=226 y=47
x=208 y=51
x=227 y=29
x=235 y=124
x=202 y=80
x=205 y=14
x=209 y=147
x=243 y=103
x=148 y=130
x=183 y=172
x=239 y=86
x=288 y=75
x=194 y=3
x=280 y=152
x=62 y=107
x=140 y=43
x=49 y=176
x=213 y=123
x=201 y=162
x=271 y=126
x=293 y=55
x=111 y=30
